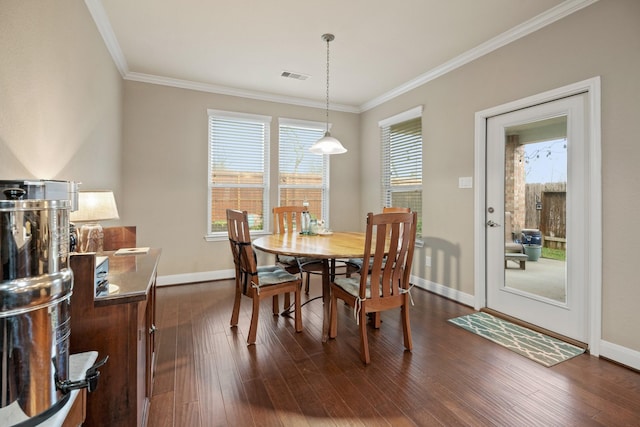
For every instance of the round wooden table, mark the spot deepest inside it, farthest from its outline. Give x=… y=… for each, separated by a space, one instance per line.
x=325 y=247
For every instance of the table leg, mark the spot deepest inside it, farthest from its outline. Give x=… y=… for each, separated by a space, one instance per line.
x=326 y=300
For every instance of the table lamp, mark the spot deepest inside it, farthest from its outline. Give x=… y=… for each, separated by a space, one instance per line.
x=93 y=206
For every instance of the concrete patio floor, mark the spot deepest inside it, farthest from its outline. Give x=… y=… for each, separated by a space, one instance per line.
x=545 y=277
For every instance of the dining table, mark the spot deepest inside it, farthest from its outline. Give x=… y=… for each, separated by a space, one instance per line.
x=326 y=247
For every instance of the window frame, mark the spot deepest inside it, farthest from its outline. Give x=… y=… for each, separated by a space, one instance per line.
x=266 y=211
x=321 y=127
x=386 y=189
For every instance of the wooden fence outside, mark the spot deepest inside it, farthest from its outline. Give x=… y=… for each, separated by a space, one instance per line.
x=251 y=198
x=546 y=210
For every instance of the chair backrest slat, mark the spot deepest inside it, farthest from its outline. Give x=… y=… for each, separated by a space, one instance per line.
x=388 y=263
x=287 y=218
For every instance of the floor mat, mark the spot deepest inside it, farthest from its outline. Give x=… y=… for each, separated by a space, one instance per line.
x=538 y=347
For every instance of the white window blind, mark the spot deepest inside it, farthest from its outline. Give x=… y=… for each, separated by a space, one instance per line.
x=302 y=174
x=238 y=169
x=401 y=138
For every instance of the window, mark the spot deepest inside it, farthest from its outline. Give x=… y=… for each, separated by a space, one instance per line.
x=402 y=161
x=238 y=169
x=302 y=174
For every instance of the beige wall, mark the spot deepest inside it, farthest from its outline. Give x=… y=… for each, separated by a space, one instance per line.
x=165 y=170
x=60 y=96
x=601 y=40
x=61 y=103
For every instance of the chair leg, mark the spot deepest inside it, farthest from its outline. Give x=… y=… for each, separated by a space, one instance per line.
x=406 y=326
x=364 y=340
x=333 y=318
x=306 y=284
x=375 y=319
x=287 y=300
x=253 y=329
x=236 y=308
x=298 y=310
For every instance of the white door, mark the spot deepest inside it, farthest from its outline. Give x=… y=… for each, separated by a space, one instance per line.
x=536 y=210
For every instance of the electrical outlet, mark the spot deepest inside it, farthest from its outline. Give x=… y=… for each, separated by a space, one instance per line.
x=427 y=261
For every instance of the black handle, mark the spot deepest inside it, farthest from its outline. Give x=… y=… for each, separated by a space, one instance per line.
x=90 y=381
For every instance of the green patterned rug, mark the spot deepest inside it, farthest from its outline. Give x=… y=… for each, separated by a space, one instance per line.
x=536 y=346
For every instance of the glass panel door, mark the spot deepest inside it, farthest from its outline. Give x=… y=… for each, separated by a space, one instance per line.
x=535 y=218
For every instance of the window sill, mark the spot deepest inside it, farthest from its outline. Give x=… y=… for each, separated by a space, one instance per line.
x=224 y=237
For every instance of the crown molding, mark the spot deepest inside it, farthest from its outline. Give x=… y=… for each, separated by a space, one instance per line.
x=225 y=90
x=99 y=16
x=550 y=16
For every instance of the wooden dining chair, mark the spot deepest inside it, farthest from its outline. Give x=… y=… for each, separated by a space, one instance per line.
x=375 y=317
x=386 y=209
x=287 y=219
x=384 y=279
x=256 y=282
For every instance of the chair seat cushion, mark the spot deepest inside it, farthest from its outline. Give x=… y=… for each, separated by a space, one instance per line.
x=291 y=260
x=351 y=285
x=356 y=261
x=270 y=275
x=286 y=259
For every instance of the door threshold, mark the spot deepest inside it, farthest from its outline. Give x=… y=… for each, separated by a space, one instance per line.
x=535 y=328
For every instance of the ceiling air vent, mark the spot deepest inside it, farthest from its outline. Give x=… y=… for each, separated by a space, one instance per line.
x=292 y=75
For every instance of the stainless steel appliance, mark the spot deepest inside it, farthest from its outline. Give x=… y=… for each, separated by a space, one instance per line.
x=35 y=296
x=42 y=189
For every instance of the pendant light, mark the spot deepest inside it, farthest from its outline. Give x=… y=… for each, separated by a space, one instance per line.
x=327 y=144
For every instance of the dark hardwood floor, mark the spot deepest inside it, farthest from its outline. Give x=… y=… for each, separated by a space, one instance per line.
x=206 y=375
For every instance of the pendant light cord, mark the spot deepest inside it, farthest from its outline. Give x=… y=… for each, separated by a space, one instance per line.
x=327 y=144
x=328 y=38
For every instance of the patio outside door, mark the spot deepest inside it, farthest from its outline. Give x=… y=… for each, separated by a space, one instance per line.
x=536 y=205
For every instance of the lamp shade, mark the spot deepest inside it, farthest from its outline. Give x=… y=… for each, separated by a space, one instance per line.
x=94 y=206
x=327 y=145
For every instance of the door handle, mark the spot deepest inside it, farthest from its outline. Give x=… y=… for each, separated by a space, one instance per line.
x=491 y=223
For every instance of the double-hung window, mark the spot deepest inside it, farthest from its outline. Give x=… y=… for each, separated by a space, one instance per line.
x=401 y=137
x=238 y=169
x=303 y=176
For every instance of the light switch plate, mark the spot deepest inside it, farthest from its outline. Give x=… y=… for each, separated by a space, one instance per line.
x=465 y=182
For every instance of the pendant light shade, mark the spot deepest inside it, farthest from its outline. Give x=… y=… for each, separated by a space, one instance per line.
x=327 y=144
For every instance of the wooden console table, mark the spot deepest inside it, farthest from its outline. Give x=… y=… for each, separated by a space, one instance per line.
x=120 y=325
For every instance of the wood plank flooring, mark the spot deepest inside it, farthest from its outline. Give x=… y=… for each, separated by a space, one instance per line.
x=206 y=375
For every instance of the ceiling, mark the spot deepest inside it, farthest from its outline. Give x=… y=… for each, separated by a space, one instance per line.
x=381 y=49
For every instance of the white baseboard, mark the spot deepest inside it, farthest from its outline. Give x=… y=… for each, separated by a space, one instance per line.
x=620 y=354
x=444 y=291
